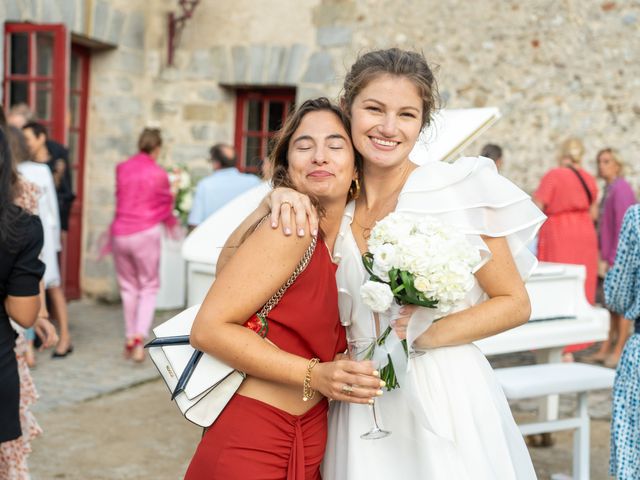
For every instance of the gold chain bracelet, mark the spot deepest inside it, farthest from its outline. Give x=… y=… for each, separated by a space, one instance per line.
x=307 y=392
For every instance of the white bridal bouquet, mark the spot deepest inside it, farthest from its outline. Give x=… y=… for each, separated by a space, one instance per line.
x=416 y=260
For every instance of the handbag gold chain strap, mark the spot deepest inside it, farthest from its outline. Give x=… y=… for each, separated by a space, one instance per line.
x=304 y=262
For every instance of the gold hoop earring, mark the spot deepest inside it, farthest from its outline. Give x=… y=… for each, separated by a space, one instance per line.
x=355 y=189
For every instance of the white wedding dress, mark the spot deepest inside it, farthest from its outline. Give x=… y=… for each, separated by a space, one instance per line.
x=450 y=419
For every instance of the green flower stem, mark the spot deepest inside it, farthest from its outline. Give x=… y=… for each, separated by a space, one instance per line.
x=388 y=372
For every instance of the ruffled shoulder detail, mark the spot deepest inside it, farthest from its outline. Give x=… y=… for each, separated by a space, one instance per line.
x=472 y=196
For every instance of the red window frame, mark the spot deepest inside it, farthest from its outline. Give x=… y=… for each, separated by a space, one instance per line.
x=57 y=80
x=264 y=97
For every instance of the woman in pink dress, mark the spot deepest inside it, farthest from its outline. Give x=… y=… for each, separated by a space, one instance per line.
x=567 y=195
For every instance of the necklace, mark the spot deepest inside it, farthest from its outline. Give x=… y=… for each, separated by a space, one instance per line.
x=384 y=209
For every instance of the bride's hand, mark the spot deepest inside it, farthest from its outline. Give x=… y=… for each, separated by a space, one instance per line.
x=280 y=202
x=401 y=323
x=346 y=381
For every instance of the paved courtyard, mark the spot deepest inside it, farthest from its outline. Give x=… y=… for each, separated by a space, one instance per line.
x=107 y=418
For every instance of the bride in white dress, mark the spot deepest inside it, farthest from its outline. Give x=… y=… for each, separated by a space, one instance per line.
x=450 y=419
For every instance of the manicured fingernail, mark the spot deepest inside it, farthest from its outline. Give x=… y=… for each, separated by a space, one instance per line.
x=301 y=232
x=376 y=373
x=287 y=231
x=371 y=401
x=382 y=383
x=274 y=224
x=379 y=392
x=315 y=232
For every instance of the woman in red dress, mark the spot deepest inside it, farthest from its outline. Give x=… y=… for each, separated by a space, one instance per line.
x=275 y=426
x=567 y=195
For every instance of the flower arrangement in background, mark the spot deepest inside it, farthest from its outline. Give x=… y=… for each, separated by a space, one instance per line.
x=182 y=190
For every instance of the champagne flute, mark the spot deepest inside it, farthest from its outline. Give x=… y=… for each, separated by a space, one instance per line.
x=390 y=316
x=363 y=349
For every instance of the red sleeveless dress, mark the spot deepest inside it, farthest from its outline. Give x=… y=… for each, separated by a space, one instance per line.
x=252 y=440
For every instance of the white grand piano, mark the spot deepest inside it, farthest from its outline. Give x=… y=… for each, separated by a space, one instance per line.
x=560 y=313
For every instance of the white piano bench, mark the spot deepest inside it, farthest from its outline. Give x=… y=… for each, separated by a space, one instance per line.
x=558 y=378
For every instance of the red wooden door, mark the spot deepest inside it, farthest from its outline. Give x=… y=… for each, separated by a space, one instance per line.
x=51 y=77
x=77 y=127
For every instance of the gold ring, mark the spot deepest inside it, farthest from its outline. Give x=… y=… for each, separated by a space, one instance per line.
x=288 y=203
x=346 y=388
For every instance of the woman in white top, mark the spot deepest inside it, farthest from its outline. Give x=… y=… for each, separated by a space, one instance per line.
x=450 y=419
x=40 y=174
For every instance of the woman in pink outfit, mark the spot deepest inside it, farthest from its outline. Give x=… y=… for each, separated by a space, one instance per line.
x=143 y=203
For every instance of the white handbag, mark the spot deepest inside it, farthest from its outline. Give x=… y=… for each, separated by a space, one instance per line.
x=200 y=384
x=210 y=383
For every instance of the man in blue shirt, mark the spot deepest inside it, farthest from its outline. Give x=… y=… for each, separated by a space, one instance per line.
x=222 y=186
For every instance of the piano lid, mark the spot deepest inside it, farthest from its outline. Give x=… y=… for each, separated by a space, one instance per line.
x=205 y=242
x=450 y=131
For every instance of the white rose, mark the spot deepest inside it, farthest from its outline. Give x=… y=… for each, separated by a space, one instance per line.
x=422 y=284
x=415 y=255
x=384 y=259
x=377 y=296
x=186 y=202
x=429 y=226
x=391 y=229
x=185 y=180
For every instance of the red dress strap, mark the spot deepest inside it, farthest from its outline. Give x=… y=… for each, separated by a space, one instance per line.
x=259 y=323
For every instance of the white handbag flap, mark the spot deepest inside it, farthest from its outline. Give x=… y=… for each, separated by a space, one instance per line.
x=204 y=411
x=209 y=370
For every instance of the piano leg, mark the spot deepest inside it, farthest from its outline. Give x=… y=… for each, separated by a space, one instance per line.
x=549 y=406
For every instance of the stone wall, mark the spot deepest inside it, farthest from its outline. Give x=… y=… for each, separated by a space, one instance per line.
x=554 y=68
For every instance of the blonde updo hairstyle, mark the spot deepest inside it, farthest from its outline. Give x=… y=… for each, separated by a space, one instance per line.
x=572 y=148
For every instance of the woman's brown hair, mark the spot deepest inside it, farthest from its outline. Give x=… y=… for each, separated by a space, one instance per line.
x=396 y=62
x=149 y=140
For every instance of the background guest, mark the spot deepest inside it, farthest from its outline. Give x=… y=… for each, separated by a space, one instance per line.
x=143 y=203
x=21 y=240
x=56 y=156
x=28 y=198
x=494 y=152
x=19 y=114
x=13 y=456
x=223 y=185
x=622 y=295
x=567 y=195
x=618 y=197
x=40 y=174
